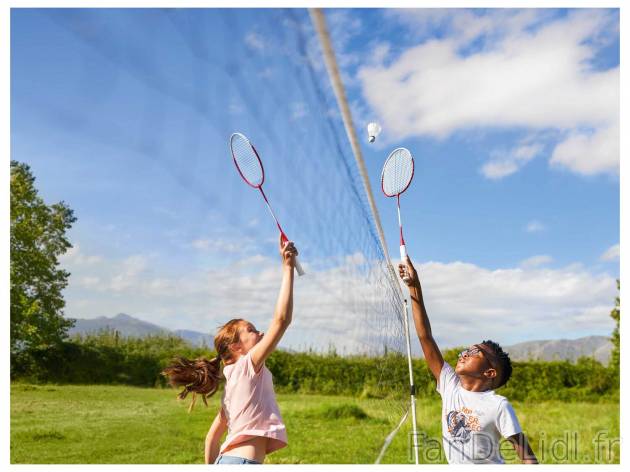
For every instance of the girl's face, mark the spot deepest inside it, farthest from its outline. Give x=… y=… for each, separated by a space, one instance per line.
x=249 y=337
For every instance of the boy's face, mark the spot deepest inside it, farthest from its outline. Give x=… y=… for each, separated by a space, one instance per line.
x=477 y=361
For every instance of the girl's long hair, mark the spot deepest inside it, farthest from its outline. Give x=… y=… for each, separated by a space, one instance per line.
x=202 y=376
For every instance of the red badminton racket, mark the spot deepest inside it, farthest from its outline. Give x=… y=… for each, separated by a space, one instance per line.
x=395 y=179
x=251 y=169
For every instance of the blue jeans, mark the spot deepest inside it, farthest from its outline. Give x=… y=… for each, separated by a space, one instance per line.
x=234 y=460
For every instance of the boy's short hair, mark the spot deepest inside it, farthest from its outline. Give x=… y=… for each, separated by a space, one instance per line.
x=504 y=362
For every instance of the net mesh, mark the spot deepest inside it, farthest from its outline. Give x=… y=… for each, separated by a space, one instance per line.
x=246 y=160
x=152 y=97
x=397 y=172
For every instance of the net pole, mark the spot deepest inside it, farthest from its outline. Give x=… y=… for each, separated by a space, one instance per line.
x=317 y=16
x=412 y=387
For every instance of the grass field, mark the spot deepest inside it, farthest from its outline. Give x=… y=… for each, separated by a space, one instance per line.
x=53 y=424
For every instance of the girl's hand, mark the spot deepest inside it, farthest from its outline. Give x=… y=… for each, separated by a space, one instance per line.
x=288 y=252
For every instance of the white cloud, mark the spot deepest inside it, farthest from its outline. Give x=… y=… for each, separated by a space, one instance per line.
x=466 y=302
x=128 y=277
x=589 y=153
x=343 y=26
x=201 y=244
x=101 y=275
x=332 y=305
x=504 y=69
x=89 y=282
x=217 y=245
x=464 y=26
x=74 y=255
x=357 y=258
x=348 y=303
x=611 y=254
x=504 y=164
x=536 y=261
x=255 y=41
x=534 y=226
x=379 y=52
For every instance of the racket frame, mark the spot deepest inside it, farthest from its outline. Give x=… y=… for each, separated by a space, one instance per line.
x=283 y=236
x=413 y=169
x=262 y=168
x=403 y=247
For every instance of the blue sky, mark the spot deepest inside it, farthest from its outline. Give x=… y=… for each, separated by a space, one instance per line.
x=512 y=117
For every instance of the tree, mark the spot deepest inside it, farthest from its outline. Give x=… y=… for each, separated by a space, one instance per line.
x=614 y=358
x=38 y=238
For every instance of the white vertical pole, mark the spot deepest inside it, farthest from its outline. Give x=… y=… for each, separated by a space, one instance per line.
x=412 y=387
x=319 y=22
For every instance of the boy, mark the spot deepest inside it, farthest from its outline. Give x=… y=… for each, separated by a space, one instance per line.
x=474 y=418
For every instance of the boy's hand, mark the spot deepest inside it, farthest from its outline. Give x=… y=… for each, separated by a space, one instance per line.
x=288 y=252
x=408 y=272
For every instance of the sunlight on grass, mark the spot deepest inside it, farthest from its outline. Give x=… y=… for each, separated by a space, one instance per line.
x=117 y=424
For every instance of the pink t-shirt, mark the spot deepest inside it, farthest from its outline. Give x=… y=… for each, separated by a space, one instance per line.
x=249 y=404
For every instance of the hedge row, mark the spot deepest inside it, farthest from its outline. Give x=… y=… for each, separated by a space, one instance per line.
x=108 y=359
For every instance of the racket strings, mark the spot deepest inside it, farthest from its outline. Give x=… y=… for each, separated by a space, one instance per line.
x=246 y=160
x=397 y=172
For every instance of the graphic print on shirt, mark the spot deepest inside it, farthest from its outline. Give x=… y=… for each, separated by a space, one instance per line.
x=461 y=423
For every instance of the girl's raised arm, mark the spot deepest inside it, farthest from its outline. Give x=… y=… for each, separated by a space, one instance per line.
x=284 y=308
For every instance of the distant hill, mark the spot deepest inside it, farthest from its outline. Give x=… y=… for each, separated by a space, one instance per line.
x=125 y=324
x=195 y=337
x=129 y=326
x=598 y=347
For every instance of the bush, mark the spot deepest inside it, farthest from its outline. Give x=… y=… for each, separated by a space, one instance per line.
x=344 y=410
x=107 y=358
x=104 y=358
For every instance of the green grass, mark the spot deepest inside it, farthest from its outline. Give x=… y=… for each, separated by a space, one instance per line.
x=117 y=424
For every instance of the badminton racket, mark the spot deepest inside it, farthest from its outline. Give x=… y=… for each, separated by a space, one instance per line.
x=395 y=179
x=250 y=167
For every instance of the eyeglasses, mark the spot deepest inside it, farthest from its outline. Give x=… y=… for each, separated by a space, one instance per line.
x=470 y=352
x=473 y=352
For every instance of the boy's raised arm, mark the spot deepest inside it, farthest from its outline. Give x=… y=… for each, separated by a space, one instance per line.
x=432 y=353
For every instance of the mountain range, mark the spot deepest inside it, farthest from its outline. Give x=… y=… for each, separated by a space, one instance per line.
x=129 y=326
x=598 y=347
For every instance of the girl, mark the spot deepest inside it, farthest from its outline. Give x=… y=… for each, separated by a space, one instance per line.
x=249 y=411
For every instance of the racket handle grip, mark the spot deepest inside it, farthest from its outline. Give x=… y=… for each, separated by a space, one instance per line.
x=298 y=267
x=403 y=252
x=403 y=258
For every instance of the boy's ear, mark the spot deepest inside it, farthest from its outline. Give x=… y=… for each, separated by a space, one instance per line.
x=490 y=373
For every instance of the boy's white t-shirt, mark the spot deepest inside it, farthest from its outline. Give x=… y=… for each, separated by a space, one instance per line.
x=473 y=422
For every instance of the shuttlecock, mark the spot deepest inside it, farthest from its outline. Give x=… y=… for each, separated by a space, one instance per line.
x=373 y=129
